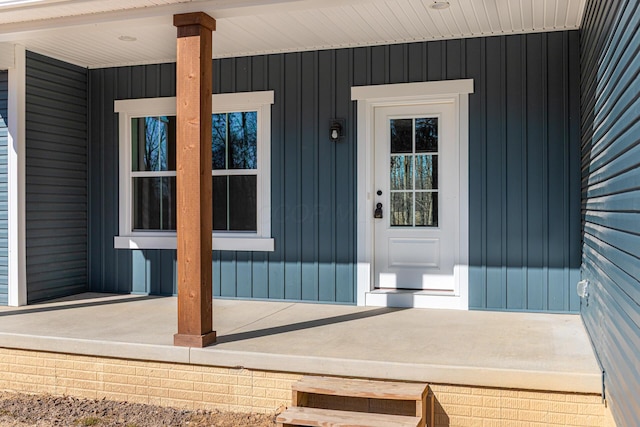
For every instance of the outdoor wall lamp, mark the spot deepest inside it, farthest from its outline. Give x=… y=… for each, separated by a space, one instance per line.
x=336 y=130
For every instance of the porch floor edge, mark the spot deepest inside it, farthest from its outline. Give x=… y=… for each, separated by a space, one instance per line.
x=499 y=350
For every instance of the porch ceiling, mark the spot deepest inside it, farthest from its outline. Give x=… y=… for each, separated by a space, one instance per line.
x=88 y=32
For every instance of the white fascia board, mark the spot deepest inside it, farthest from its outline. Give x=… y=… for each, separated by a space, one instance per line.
x=406 y=91
x=167 y=105
x=17 y=274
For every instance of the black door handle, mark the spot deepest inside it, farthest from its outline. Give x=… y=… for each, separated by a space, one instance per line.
x=378 y=211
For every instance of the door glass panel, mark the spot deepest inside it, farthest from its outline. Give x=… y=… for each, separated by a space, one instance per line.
x=426 y=209
x=401 y=172
x=426 y=172
x=427 y=135
x=401 y=135
x=402 y=209
x=413 y=175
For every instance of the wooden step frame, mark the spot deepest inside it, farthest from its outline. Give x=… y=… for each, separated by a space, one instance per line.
x=315 y=417
x=359 y=397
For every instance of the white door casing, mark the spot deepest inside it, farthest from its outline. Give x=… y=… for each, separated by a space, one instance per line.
x=408 y=253
x=375 y=98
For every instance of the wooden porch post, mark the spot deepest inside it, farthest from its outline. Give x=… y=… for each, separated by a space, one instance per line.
x=193 y=182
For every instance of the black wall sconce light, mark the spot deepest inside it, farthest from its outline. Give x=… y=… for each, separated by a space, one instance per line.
x=336 y=130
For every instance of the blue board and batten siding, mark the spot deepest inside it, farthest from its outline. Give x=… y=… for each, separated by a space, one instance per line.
x=4 y=231
x=610 y=57
x=524 y=169
x=56 y=178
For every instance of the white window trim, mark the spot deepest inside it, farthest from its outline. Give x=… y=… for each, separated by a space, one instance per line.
x=222 y=103
x=368 y=98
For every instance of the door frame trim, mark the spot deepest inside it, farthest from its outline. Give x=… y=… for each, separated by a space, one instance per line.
x=368 y=98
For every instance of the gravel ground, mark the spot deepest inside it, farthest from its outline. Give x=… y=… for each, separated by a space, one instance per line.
x=20 y=410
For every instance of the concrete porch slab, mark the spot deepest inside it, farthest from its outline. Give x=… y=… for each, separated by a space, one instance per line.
x=532 y=351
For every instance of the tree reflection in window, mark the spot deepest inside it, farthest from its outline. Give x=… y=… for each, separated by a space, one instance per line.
x=234 y=149
x=414 y=172
x=153 y=166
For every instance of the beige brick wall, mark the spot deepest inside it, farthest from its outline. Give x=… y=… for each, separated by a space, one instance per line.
x=245 y=390
x=461 y=406
x=165 y=384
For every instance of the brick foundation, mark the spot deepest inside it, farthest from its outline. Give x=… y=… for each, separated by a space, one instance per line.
x=246 y=390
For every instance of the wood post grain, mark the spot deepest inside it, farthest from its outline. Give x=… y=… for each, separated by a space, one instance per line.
x=193 y=179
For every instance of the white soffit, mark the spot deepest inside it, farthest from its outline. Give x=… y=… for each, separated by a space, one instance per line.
x=85 y=32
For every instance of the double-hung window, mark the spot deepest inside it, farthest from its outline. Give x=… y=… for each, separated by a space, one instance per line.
x=240 y=137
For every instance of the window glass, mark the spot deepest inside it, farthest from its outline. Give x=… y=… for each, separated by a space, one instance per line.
x=153 y=143
x=154 y=202
x=234 y=140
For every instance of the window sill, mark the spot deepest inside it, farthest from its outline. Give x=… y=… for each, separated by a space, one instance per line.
x=262 y=244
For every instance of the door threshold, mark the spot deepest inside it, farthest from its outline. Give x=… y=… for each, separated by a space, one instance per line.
x=412 y=298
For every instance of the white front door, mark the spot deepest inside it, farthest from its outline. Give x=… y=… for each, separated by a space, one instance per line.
x=416 y=185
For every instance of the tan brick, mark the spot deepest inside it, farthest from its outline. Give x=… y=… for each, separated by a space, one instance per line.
x=283 y=395
x=461 y=410
x=264 y=382
x=63 y=364
x=564 y=407
x=591 y=409
x=82 y=375
x=177 y=384
x=185 y=375
x=464 y=422
x=507 y=402
x=492 y=402
x=46 y=372
x=157 y=372
x=555 y=418
x=540 y=417
x=87 y=366
x=245 y=400
x=219 y=398
x=119 y=369
x=211 y=387
x=462 y=399
x=185 y=395
x=244 y=380
x=584 y=420
x=158 y=392
x=29 y=360
x=584 y=398
x=218 y=378
x=481 y=412
x=240 y=390
x=136 y=380
x=114 y=378
x=24 y=369
x=509 y=414
x=540 y=405
x=120 y=388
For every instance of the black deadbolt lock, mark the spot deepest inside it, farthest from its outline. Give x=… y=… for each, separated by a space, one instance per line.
x=378 y=212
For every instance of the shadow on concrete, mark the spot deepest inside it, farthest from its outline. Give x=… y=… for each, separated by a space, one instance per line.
x=305 y=325
x=35 y=308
